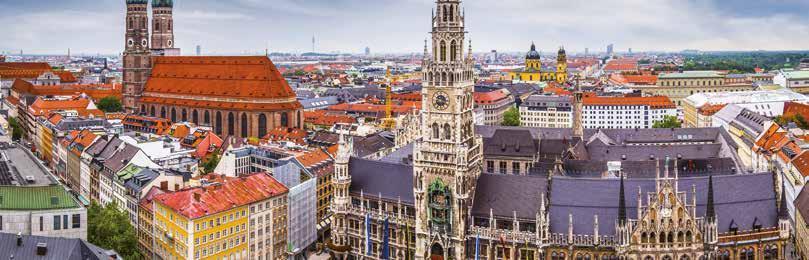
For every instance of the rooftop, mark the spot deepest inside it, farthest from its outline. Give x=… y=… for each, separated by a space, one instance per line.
x=655 y=102
x=796 y=74
x=691 y=75
x=36 y=198
x=745 y=97
x=57 y=248
x=17 y=164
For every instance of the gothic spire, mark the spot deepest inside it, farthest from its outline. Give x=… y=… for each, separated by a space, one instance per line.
x=622 y=202
x=709 y=211
x=783 y=212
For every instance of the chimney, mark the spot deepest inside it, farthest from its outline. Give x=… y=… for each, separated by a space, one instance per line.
x=42 y=248
x=164 y=185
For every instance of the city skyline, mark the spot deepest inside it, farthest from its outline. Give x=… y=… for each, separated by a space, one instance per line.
x=348 y=26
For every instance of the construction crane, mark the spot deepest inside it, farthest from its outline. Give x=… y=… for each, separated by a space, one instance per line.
x=388 y=122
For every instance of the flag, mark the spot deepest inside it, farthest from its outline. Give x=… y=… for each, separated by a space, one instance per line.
x=385 y=240
x=477 y=247
x=368 y=234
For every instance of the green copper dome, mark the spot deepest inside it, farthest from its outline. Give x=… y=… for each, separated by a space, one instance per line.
x=162 y=3
x=533 y=54
x=137 y=2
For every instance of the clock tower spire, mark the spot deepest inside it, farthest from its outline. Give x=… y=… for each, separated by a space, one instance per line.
x=447 y=159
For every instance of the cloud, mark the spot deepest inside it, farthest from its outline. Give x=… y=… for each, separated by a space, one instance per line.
x=399 y=26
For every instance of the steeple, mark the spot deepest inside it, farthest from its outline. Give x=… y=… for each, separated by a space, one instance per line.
x=783 y=211
x=622 y=202
x=710 y=212
x=162 y=24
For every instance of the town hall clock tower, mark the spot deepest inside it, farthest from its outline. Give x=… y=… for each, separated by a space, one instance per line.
x=447 y=159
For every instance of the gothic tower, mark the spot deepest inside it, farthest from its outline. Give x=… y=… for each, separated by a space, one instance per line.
x=341 y=183
x=162 y=24
x=447 y=159
x=136 y=53
x=561 y=66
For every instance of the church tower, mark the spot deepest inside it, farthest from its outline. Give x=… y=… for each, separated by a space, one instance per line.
x=447 y=159
x=136 y=53
x=162 y=24
x=561 y=66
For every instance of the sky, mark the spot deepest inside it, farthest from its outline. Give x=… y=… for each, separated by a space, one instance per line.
x=400 y=26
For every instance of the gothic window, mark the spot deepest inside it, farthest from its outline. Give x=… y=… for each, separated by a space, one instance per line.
x=445 y=14
x=453 y=48
x=195 y=117
x=666 y=257
x=284 y=119
x=218 y=124
x=173 y=115
x=206 y=119
x=643 y=238
x=157 y=26
x=143 y=109
x=447 y=132
x=680 y=237
x=688 y=236
x=184 y=115
x=162 y=112
x=244 y=125
x=558 y=256
x=724 y=255
x=169 y=25
x=435 y=131
x=151 y=111
x=684 y=257
x=129 y=23
x=262 y=125
x=771 y=252
x=231 y=124
x=443 y=51
x=452 y=13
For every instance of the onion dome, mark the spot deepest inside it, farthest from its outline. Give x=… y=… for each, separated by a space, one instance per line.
x=162 y=3
x=533 y=54
x=137 y=2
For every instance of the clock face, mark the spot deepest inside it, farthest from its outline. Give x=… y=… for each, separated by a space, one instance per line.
x=440 y=100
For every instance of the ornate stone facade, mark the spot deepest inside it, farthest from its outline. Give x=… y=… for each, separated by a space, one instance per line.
x=137 y=57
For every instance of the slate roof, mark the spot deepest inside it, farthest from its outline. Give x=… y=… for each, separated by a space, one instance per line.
x=507 y=194
x=644 y=152
x=58 y=248
x=510 y=143
x=392 y=181
x=802 y=203
x=121 y=158
x=738 y=198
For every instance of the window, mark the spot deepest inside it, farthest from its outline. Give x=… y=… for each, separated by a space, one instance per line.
x=503 y=167
x=57 y=224
x=76 y=221
x=41 y=223
x=515 y=168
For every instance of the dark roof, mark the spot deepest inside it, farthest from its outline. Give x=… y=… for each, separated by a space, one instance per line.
x=741 y=199
x=140 y=179
x=506 y=194
x=802 y=203
x=392 y=181
x=57 y=248
x=121 y=158
x=644 y=152
x=364 y=146
x=510 y=142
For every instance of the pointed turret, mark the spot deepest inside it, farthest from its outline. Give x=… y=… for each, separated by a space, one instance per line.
x=710 y=212
x=783 y=211
x=622 y=202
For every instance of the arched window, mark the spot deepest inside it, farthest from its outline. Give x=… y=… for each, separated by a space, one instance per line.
x=453 y=48
x=195 y=117
x=284 y=119
x=244 y=125
x=443 y=51
x=643 y=238
x=435 y=130
x=184 y=115
x=445 y=13
x=262 y=125
x=173 y=115
x=218 y=124
x=452 y=13
x=163 y=112
x=231 y=124
x=152 y=111
x=157 y=26
x=143 y=109
x=771 y=252
x=684 y=257
x=447 y=132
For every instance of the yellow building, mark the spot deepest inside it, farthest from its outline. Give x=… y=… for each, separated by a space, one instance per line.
x=533 y=68
x=211 y=222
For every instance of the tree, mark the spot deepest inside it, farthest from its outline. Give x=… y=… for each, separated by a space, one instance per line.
x=110 y=104
x=108 y=227
x=511 y=117
x=16 y=129
x=210 y=165
x=668 y=122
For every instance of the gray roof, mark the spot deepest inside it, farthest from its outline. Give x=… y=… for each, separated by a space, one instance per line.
x=364 y=146
x=506 y=195
x=121 y=158
x=511 y=143
x=802 y=203
x=392 y=181
x=57 y=248
x=403 y=155
x=319 y=102
x=644 y=152
x=739 y=199
x=145 y=176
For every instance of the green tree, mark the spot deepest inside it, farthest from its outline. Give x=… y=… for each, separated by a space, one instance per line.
x=108 y=227
x=668 y=122
x=110 y=104
x=210 y=165
x=16 y=129
x=511 y=117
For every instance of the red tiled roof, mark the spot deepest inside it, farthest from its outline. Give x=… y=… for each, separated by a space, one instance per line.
x=222 y=105
x=709 y=110
x=655 y=102
x=13 y=100
x=490 y=97
x=66 y=76
x=95 y=91
x=622 y=65
x=198 y=202
x=42 y=107
x=146 y=201
x=24 y=66
x=280 y=134
x=770 y=138
x=322 y=117
x=793 y=108
x=313 y=158
x=557 y=91
x=55 y=118
x=232 y=77
x=204 y=146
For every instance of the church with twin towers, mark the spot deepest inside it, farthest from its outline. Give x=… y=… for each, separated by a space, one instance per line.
x=444 y=200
